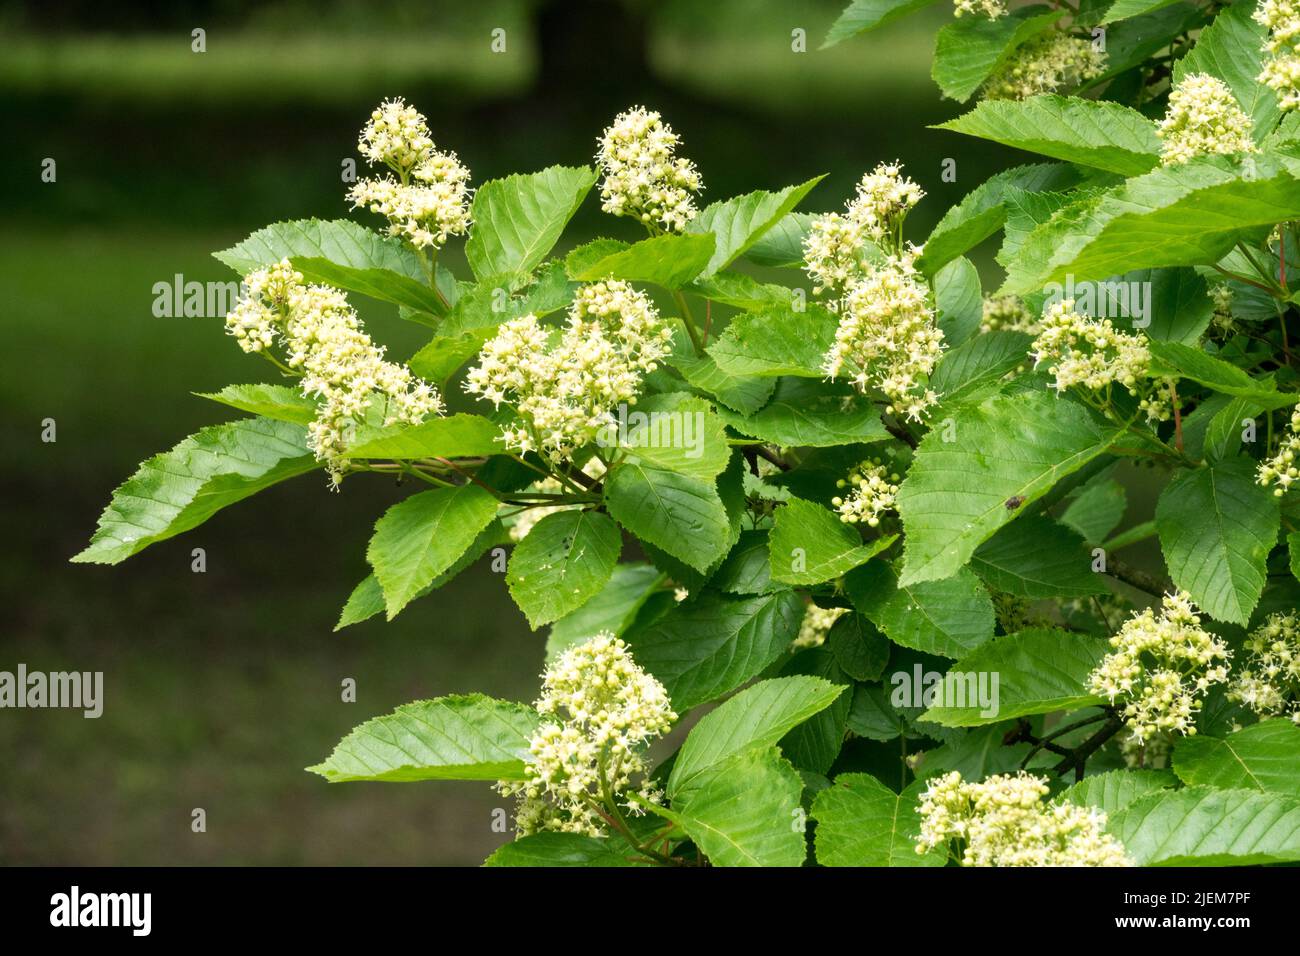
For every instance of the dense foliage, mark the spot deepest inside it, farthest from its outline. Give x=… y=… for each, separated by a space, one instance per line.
x=875 y=510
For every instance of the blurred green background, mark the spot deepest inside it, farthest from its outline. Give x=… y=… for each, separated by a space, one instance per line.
x=222 y=686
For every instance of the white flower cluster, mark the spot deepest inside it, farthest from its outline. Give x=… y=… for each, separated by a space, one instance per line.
x=1269 y=683
x=1281 y=469
x=1046 y=64
x=817 y=623
x=428 y=201
x=642 y=177
x=599 y=710
x=992 y=9
x=1203 y=118
x=566 y=395
x=323 y=340
x=1282 y=68
x=836 y=245
x=872 y=491
x=1008 y=312
x=1160 y=668
x=887 y=338
x=1092 y=353
x=1004 y=821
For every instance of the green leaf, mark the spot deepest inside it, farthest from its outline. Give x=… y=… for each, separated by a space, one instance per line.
x=859 y=648
x=741 y=393
x=1200 y=826
x=422 y=536
x=863 y=15
x=1136 y=39
x=707 y=647
x=340 y=241
x=563 y=849
x=279 y=402
x=969 y=50
x=742 y=291
x=1187 y=214
x=1263 y=756
x=454 y=436
x=741 y=221
x=861 y=822
x=1034 y=558
x=491 y=303
x=1039 y=670
x=679 y=513
x=810 y=545
x=814 y=745
x=1178 y=300
x=677 y=432
x=1232 y=49
x=776 y=342
x=1123 y=9
x=445 y=354
x=613 y=609
x=519 y=218
x=1293 y=550
x=1094 y=133
x=670 y=260
x=180 y=489
x=1113 y=791
x=381 y=284
x=1223 y=433
x=782 y=245
x=811 y=414
x=367 y=598
x=1006 y=449
x=979 y=364
x=982 y=212
x=562 y=564
x=1216 y=528
x=948 y=617
x=470 y=737
x=873 y=716
x=958 y=301
x=745 y=812
x=1185 y=361
x=1096 y=510
x=754 y=719
x=745 y=570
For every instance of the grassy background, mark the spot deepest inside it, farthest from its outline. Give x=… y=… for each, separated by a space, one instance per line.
x=221 y=686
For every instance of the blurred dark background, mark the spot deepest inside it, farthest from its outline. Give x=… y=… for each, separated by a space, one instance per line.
x=222 y=686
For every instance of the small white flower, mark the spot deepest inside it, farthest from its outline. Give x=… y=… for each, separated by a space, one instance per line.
x=887 y=338
x=1203 y=118
x=322 y=339
x=1160 y=669
x=1269 y=680
x=817 y=623
x=1282 y=469
x=566 y=394
x=1045 y=64
x=1005 y=821
x=599 y=712
x=871 y=490
x=991 y=9
x=642 y=177
x=428 y=201
x=1091 y=353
